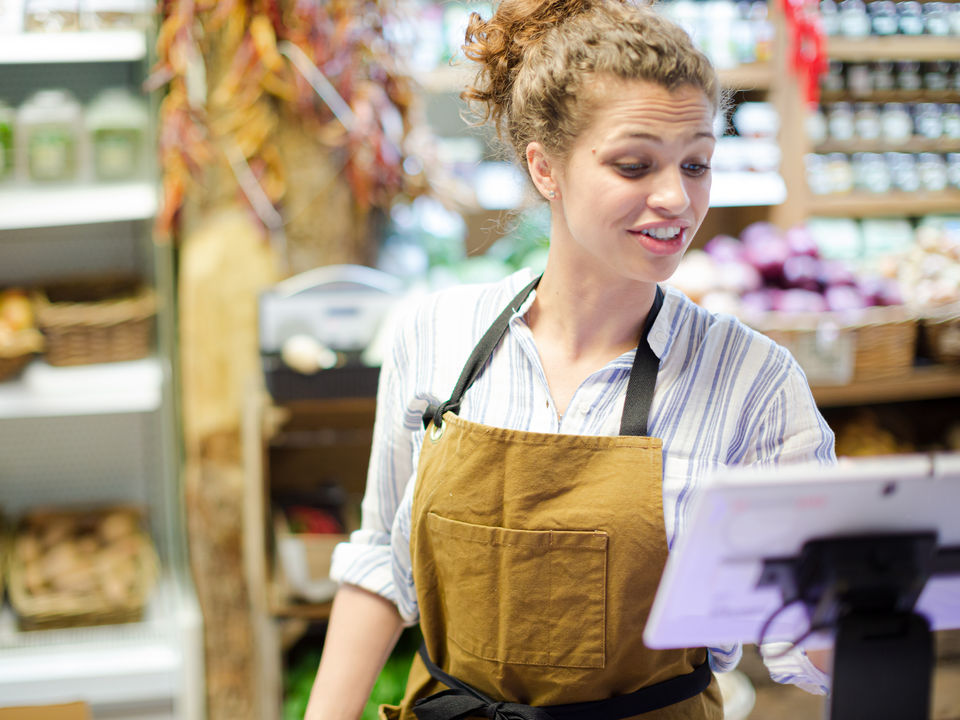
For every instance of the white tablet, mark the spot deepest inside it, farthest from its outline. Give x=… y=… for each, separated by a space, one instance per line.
x=708 y=594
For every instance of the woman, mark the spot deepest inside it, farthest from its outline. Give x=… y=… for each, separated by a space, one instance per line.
x=520 y=503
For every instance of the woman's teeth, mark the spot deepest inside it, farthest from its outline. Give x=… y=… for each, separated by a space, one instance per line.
x=663 y=233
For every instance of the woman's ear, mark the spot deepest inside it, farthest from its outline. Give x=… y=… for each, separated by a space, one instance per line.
x=542 y=170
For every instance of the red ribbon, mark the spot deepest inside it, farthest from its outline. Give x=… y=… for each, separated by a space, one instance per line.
x=808 y=54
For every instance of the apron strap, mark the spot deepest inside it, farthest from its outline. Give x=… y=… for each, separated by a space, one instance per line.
x=643 y=374
x=462 y=701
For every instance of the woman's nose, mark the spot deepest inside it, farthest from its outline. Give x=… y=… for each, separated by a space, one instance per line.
x=669 y=192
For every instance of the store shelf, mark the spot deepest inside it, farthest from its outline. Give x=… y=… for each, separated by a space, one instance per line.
x=110 y=388
x=923 y=383
x=885 y=205
x=894 y=47
x=106 y=46
x=454 y=78
x=913 y=145
x=105 y=665
x=889 y=96
x=747 y=189
x=753 y=76
x=34 y=206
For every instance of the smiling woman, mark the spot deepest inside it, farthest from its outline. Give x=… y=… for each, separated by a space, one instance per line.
x=539 y=439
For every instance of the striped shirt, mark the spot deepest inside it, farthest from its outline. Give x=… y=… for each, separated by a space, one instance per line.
x=725 y=395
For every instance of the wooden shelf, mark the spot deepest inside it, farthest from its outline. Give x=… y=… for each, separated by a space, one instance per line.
x=889 y=96
x=753 y=76
x=923 y=383
x=894 y=47
x=914 y=145
x=884 y=205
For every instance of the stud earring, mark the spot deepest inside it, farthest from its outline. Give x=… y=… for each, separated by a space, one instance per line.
x=552 y=195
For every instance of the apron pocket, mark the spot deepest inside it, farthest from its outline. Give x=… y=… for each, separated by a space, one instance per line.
x=534 y=597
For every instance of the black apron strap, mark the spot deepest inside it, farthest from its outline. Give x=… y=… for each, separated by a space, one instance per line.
x=643 y=375
x=462 y=701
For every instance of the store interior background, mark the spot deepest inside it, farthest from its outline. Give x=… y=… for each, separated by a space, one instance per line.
x=170 y=487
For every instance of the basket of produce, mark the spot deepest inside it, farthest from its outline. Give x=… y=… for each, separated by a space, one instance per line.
x=931 y=276
x=19 y=338
x=72 y=568
x=96 y=320
x=841 y=326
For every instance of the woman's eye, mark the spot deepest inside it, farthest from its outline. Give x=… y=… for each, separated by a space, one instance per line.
x=631 y=170
x=695 y=169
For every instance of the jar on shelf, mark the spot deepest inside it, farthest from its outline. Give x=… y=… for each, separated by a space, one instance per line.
x=7 y=119
x=936 y=18
x=910 y=15
x=871 y=172
x=883 y=77
x=953 y=170
x=816 y=125
x=51 y=15
x=859 y=79
x=903 y=171
x=932 y=169
x=116 y=14
x=896 y=125
x=829 y=17
x=840 y=121
x=839 y=173
x=928 y=120
x=866 y=121
x=117 y=127
x=950 y=117
x=908 y=75
x=854 y=21
x=818 y=181
x=883 y=17
x=936 y=75
x=47 y=125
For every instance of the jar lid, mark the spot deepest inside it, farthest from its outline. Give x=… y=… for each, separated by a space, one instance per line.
x=116 y=107
x=50 y=105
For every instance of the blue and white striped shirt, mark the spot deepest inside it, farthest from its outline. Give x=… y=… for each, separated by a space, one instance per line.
x=725 y=395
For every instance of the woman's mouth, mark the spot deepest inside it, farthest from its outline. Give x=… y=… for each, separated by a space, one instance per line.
x=663 y=240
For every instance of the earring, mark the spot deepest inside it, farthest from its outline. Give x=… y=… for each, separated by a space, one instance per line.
x=552 y=195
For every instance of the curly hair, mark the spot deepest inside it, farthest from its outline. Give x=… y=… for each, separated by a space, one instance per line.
x=537 y=60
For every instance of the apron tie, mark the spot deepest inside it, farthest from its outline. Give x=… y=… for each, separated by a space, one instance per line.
x=456 y=704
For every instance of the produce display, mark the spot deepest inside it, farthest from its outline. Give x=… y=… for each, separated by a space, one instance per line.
x=81 y=567
x=19 y=337
x=930 y=273
x=769 y=270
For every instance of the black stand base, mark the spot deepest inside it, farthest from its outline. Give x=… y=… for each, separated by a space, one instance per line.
x=882 y=668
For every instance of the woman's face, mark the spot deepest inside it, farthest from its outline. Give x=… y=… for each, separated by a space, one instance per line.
x=636 y=184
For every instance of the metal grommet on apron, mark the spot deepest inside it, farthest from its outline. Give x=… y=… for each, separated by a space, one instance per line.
x=536 y=558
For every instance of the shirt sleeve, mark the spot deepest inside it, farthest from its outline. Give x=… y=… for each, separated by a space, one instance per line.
x=793 y=431
x=365 y=560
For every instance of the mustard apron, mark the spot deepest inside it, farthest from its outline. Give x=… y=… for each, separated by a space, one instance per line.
x=536 y=557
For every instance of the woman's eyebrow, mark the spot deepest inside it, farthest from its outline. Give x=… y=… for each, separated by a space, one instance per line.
x=690 y=138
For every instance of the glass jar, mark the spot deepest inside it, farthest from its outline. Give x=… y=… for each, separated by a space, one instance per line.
x=866 y=121
x=896 y=125
x=910 y=14
x=871 y=173
x=117 y=126
x=883 y=17
x=936 y=75
x=854 y=21
x=953 y=170
x=903 y=171
x=883 y=78
x=829 y=17
x=859 y=79
x=932 y=169
x=908 y=75
x=816 y=170
x=840 y=121
x=51 y=15
x=117 y=14
x=950 y=117
x=47 y=127
x=839 y=173
x=936 y=18
x=7 y=118
x=928 y=121
x=816 y=125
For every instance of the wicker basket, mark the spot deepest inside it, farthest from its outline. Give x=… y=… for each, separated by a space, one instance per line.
x=839 y=348
x=96 y=320
x=39 y=595
x=941 y=329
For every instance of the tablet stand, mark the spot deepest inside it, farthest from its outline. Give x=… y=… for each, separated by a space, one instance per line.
x=864 y=589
